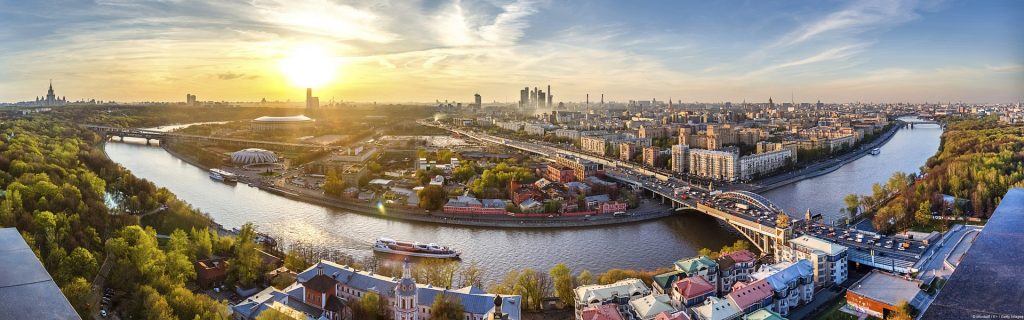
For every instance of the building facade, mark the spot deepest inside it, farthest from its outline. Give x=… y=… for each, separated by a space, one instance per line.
x=718 y=165
x=761 y=164
x=680 y=158
x=828 y=259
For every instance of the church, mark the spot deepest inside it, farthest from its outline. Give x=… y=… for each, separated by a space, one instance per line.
x=326 y=291
x=50 y=99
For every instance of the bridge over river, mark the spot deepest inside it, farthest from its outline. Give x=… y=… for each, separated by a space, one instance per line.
x=161 y=136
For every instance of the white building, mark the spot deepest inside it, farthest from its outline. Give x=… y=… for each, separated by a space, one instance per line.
x=829 y=259
x=792 y=282
x=680 y=158
x=647 y=308
x=720 y=165
x=715 y=308
x=763 y=163
x=567 y=133
x=620 y=293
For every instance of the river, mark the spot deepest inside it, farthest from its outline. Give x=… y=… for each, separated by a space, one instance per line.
x=645 y=245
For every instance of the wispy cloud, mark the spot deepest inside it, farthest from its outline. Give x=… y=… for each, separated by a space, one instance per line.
x=858 y=17
x=833 y=54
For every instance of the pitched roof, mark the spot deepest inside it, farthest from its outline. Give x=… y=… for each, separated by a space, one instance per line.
x=320 y=283
x=763 y=314
x=692 y=265
x=666 y=279
x=621 y=288
x=602 y=312
x=693 y=287
x=742 y=256
x=715 y=308
x=650 y=306
x=781 y=274
x=749 y=294
x=680 y=315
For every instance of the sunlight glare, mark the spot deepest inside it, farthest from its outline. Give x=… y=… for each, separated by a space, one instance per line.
x=309 y=66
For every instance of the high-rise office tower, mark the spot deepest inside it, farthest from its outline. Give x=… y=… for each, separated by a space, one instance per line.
x=312 y=103
x=477 y=100
x=524 y=97
x=549 y=96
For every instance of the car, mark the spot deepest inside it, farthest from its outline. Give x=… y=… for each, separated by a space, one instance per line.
x=900 y=248
x=103 y=313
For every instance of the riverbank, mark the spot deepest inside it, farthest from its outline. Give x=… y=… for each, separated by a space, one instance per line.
x=645 y=213
x=834 y=164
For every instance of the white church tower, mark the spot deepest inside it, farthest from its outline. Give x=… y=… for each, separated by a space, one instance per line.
x=406 y=300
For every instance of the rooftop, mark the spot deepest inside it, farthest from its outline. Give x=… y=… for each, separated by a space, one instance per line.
x=693 y=265
x=987 y=282
x=621 y=288
x=602 y=312
x=650 y=306
x=887 y=288
x=763 y=314
x=26 y=289
x=751 y=293
x=817 y=244
x=715 y=308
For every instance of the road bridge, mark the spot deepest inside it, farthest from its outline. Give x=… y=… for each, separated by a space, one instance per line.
x=757 y=225
x=160 y=136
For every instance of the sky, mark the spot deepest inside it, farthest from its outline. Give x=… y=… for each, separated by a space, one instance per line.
x=422 y=51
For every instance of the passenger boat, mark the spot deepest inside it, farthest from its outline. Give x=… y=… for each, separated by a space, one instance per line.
x=222 y=176
x=875 y=151
x=414 y=249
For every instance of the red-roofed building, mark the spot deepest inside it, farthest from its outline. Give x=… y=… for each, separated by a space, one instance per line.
x=680 y=315
x=752 y=296
x=734 y=267
x=691 y=291
x=602 y=312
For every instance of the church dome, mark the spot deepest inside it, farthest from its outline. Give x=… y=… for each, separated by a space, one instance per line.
x=253 y=156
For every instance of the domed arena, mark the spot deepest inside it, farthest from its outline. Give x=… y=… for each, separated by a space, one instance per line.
x=253 y=156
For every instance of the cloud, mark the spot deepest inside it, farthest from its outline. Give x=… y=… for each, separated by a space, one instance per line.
x=833 y=54
x=856 y=18
x=233 y=76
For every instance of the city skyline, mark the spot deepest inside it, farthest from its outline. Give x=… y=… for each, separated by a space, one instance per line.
x=869 y=51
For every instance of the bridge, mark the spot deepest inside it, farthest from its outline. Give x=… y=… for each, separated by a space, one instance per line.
x=754 y=217
x=108 y=132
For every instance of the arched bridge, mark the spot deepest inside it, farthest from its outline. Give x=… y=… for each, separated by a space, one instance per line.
x=751 y=198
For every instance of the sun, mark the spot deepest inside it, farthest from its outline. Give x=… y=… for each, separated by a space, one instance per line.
x=309 y=66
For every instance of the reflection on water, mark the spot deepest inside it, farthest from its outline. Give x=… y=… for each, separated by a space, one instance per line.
x=907 y=151
x=642 y=245
x=645 y=245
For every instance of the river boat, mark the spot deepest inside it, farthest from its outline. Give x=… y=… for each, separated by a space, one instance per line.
x=223 y=176
x=414 y=249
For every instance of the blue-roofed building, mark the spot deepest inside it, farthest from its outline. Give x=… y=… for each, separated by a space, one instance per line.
x=408 y=299
x=792 y=282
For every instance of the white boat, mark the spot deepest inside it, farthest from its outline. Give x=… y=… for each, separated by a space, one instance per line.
x=875 y=151
x=223 y=176
x=414 y=249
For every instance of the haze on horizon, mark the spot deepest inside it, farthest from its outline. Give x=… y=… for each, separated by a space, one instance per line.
x=400 y=51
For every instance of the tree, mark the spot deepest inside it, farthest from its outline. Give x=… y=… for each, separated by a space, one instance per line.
x=463 y=173
x=78 y=293
x=295 y=262
x=585 y=278
x=188 y=305
x=79 y=263
x=923 y=215
x=370 y=307
x=904 y=311
x=852 y=203
x=438 y=273
x=275 y=314
x=179 y=267
x=151 y=305
x=706 y=252
x=246 y=266
x=180 y=243
x=446 y=307
x=528 y=285
x=333 y=185
x=561 y=275
x=471 y=275
x=202 y=245
x=444 y=155
x=432 y=197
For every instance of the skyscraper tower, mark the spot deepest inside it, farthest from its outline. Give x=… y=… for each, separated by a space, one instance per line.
x=312 y=103
x=549 y=96
x=477 y=100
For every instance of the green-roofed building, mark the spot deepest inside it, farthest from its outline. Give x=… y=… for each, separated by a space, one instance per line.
x=663 y=281
x=763 y=314
x=701 y=266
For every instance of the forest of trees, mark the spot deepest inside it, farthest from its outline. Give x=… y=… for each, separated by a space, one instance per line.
x=77 y=210
x=979 y=160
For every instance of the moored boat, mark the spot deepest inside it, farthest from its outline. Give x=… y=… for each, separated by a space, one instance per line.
x=414 y=249
x=222 y=176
